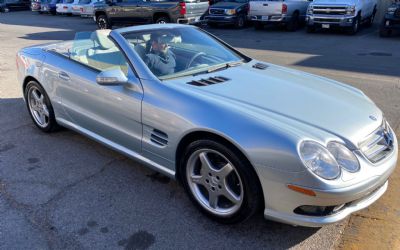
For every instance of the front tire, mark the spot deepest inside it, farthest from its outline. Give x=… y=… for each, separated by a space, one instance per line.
x=220 y=182
x=355 y=27
x=294 y=23
x=39 y=107
x=240 y=22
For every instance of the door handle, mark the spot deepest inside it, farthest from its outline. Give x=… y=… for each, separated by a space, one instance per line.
x=63 y=75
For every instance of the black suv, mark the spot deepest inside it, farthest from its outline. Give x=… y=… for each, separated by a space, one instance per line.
x=6 y=5
x=228 y=12
x=125 y=12
x=391 y=21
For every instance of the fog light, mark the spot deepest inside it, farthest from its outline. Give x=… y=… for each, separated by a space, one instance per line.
x=314 y=210
x=387 y=23
x=350 y=20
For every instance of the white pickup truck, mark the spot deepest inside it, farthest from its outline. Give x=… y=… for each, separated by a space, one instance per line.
x=290 y=13
x=348 y=14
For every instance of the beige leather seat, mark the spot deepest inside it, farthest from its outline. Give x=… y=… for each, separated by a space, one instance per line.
x=105 y=54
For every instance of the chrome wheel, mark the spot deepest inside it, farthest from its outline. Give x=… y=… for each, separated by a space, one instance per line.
x=214 y=182
x=38 y=107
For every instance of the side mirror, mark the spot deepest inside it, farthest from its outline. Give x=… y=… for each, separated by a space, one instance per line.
x=112 y=77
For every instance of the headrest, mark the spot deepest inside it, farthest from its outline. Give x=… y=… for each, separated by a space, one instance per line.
x=101 y=38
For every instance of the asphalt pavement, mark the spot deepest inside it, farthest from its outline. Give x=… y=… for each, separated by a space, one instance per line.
x=64 y=191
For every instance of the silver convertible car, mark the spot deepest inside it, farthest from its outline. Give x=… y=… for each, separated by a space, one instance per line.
x=239 y=134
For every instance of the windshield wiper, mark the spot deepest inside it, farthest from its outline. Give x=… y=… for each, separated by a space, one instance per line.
x=224 y=66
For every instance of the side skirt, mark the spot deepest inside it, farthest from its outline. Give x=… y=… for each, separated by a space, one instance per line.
x=123 y=150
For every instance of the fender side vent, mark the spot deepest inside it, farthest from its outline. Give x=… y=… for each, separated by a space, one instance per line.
x=261 y=66
x=209 y=81
x=158 y=137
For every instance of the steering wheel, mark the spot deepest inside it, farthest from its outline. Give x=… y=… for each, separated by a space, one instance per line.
x=194 y=57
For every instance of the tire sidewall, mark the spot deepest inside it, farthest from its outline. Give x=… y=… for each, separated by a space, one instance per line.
x=105 y=20
x=52 y=121
x=252 y=193
x=162 y=20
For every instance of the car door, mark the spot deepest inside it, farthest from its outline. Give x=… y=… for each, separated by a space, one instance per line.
x=125 y=11
x=104 y=112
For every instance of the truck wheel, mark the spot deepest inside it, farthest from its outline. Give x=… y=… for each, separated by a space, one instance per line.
x=310 y=29
x=240 y=22
x=103 y=23
x=258 y=25
x=293 y=24
x=355 y=27
x=162 y=19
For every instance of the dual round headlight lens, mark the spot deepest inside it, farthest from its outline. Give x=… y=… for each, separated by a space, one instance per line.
x=327 y=162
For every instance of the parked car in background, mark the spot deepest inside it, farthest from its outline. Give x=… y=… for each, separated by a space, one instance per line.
x=151 y=11
x=232 y=12
x=50 y=6
x=7 y=5
x=65 y=6
x=36 y=5
x=391 y=20
x=192 y=107
x=3 y=6
x=290 y=13
x=345 y=14
x=84 y=8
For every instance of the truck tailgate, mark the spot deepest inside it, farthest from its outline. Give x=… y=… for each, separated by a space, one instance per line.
x=265 y=8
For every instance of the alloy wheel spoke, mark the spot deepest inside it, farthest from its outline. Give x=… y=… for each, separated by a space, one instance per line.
x=198 y=179
x=35 y=96
x=212 y=199
x=225 y=170
x=205 y=162
x=230 y=195
x=45 y=110
x=42 y=118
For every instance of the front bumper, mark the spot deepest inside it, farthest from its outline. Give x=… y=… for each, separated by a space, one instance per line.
x=221 y=19
x=327 y=21
x=281 y=202
x=391 y=23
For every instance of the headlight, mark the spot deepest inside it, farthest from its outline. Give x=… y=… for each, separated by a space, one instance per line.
x=319 y=160
x=310 y=10
x=351 y=10
x=344 y=157
x=230 y=12
x=391 y=10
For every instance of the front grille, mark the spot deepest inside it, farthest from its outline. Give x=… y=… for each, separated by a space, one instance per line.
x=329 y=10
x=379 y=144
x=327 y=20
x=217 y=11
x=397 y=12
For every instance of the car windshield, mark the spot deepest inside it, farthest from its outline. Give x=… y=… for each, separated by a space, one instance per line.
x=84 y=1
x=181 y=51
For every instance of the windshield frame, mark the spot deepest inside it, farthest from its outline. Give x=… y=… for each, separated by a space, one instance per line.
x=242 y=57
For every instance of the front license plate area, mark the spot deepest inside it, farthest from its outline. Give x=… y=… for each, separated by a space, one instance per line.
x=325 y=26
x=264 y=18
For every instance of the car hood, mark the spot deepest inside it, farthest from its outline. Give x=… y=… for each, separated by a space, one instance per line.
x=226 y=5
x=296 y=98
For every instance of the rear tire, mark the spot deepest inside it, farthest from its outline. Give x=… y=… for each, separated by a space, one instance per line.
x=294 y=23
x=161 y=19
x=384 y=32
x=371 y=18
x=103 y=23
x=40 y=108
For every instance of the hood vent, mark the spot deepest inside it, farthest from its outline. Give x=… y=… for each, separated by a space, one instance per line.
x=261 y=66
x=209 y=81
x=158 y=137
